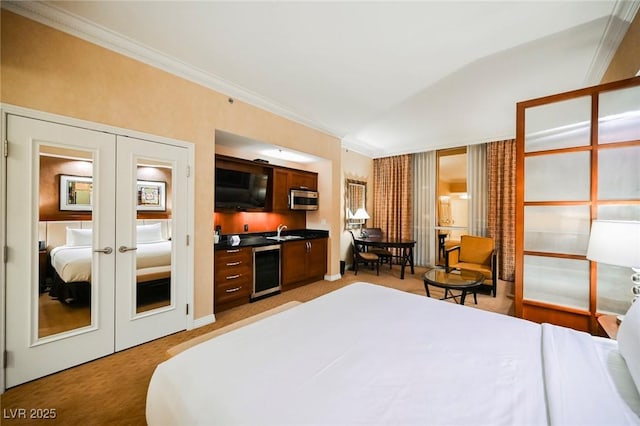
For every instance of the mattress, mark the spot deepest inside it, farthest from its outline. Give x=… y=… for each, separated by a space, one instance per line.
x=73 y=263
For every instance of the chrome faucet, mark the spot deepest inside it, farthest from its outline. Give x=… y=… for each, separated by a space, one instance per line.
x=281 y=227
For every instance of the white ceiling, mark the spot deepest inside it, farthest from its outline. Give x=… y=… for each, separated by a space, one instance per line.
x=385 y=77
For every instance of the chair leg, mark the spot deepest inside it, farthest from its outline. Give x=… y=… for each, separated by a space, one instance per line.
x=378 y=267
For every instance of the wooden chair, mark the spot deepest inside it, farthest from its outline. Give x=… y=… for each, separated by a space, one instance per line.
x=384 y=254
x=360 y=256
x=475 y=254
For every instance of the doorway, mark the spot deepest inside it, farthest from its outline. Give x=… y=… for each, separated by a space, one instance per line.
x=451 y=200
x=97 y=230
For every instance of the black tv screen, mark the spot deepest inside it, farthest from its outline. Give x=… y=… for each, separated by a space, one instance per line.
x=240 y=190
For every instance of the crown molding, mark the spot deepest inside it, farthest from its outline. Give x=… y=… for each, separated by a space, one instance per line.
x=623 y=13
x=52 y=16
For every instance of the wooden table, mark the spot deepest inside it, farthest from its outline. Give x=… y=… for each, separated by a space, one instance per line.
x=406 y=247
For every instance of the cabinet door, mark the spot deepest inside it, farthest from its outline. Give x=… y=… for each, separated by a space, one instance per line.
x=280 y=189
x=294 y=254
x=317 y=258
x=304 y=180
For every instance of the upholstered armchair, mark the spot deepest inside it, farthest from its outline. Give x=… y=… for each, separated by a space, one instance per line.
x=475 y=254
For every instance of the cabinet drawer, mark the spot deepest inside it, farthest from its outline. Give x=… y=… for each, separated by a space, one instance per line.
x=240 y=254
x=227 y=274
x=233 y=289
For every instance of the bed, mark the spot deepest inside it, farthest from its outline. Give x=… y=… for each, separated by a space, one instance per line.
x=71 y=262
x=368 y=354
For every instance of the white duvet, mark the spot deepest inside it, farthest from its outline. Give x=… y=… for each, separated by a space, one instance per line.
x=367 y=354
x=73 y=263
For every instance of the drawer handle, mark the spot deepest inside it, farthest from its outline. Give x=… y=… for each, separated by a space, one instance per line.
x=232 y=290
x=233 y=263
x=233 y=251
x=233 y=277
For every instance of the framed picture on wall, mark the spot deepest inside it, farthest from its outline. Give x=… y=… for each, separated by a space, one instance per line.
x=75 y=193
x=151 y=195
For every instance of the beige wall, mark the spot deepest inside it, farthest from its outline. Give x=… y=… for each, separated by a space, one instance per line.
x=626 y=61
x=51 y=71
x=358 y=167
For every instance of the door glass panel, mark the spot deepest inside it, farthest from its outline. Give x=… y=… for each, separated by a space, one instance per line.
x=153 y=235
x=452 y=200
x=558 y=177
x=614 y=282
x=619 y=115
x=558 y=125
x=619 y=173
x=619 y=212
x=556 y=229
x=614 y=289
x=65 y=239
x=557 y=281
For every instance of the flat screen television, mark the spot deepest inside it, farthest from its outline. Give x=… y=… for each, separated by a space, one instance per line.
x=239 y=190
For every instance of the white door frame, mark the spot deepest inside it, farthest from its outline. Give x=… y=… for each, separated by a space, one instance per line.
x=70 y=121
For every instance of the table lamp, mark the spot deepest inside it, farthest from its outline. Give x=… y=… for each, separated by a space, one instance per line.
x=617 y=242
x=361 y=214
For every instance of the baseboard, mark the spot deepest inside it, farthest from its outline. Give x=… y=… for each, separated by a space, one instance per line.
x=334 y=277
x=205 y=320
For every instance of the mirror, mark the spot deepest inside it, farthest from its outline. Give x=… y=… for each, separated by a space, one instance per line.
x=355 y=200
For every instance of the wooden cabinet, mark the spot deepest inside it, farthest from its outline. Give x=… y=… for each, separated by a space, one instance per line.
x=303 y=262
x=280 y=189
x=233 y=277
x=302 y=179
x=282 y=179
x=285 y=179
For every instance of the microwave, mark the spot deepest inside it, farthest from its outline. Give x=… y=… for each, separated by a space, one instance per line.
x=303 y=199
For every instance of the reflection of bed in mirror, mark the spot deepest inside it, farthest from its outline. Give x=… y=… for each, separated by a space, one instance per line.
x=71 y=261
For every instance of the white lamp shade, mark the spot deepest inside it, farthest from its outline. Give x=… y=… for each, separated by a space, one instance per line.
x=349 y=213
x=615 y=243
x=361 y=213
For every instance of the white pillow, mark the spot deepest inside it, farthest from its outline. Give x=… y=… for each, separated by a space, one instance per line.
x=629 y=341
x=79 y=237
x=149 y=233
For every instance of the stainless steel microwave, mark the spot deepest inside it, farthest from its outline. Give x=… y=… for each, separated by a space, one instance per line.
x=303 y=199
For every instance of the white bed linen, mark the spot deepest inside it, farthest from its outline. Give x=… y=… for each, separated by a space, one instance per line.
x=364 y=354
x=619 y=375
x=73 y=263
x=577 y=381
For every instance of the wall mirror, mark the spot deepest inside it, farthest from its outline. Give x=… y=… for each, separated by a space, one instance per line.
x=355 y=202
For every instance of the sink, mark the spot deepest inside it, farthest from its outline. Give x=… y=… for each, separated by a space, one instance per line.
x=285 y=237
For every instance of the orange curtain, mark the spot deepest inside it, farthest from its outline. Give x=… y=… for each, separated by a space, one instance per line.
x=393 y=196
x=501 y=226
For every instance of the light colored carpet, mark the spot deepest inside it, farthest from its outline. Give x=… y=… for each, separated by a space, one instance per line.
x=112 y=390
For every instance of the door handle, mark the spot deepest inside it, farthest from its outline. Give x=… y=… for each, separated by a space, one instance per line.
x=124 y=249
x=106 y=250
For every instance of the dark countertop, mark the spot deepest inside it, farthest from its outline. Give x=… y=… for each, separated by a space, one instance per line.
x=259 y=239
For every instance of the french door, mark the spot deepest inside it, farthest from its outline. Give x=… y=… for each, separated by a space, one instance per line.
x=96 y=238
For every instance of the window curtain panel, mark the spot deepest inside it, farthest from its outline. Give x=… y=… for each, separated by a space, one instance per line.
x=477 y=189
x=393 y=196
x=501 y=166
x=424 y=207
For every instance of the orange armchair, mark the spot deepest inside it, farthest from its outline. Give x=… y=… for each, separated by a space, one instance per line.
x=475 y=254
